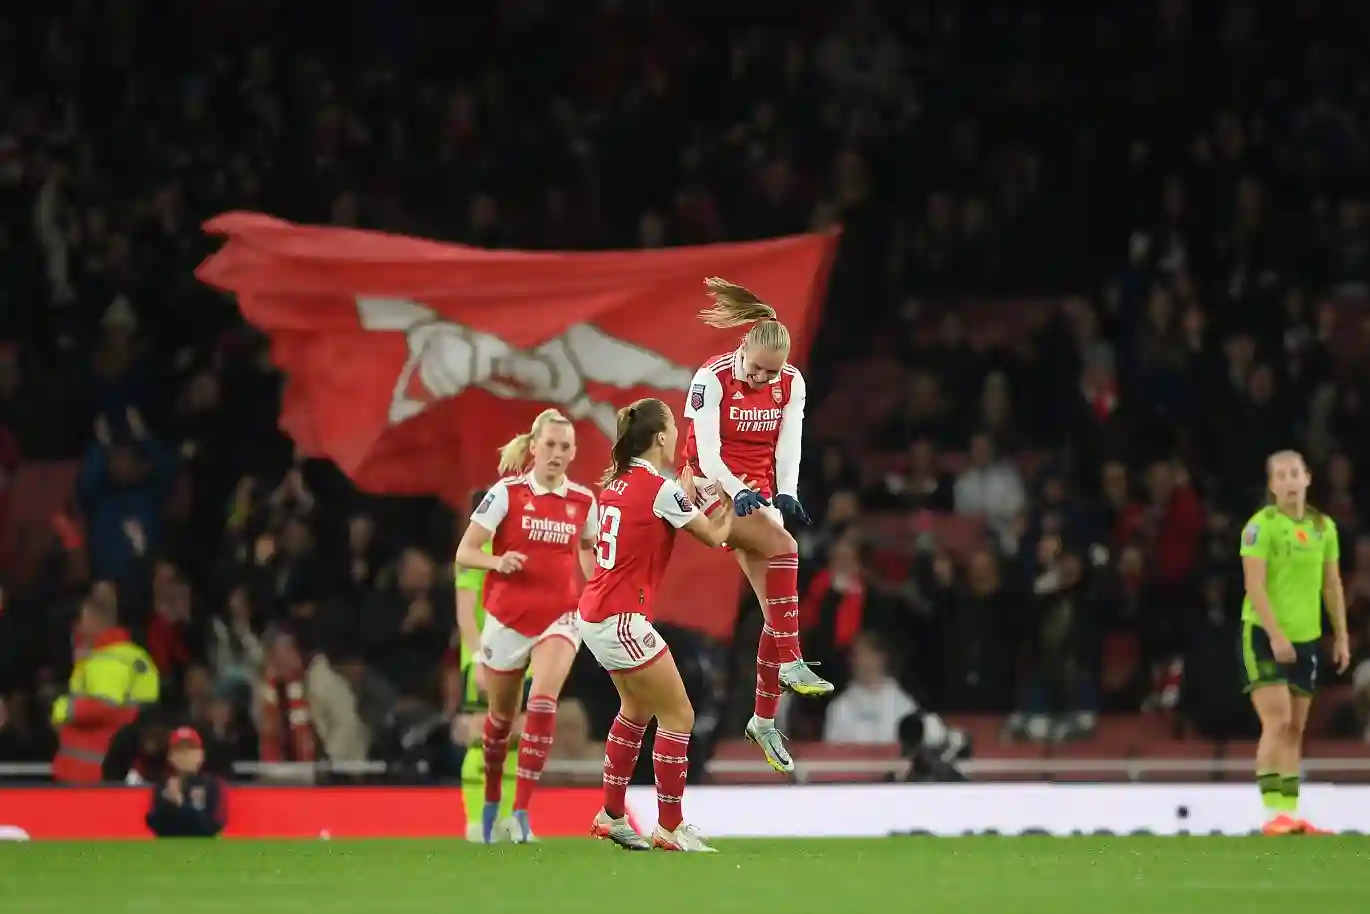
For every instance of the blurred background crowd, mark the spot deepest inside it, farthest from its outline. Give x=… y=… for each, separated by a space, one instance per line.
x=1096 y=265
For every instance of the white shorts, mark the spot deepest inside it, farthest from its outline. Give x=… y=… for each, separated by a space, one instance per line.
x=708 y=497
x=623 y=642
x=503 y=650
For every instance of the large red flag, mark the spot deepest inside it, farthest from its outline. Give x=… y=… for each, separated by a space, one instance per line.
x=409 y=362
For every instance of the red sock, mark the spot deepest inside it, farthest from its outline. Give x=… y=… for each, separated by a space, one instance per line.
x=495 y=747
x=767 y=675
x=782 y=605
x=539 y=725
x=670 y=763
x=620 y=758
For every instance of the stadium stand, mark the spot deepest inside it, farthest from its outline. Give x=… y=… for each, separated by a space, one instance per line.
x=1128 y=247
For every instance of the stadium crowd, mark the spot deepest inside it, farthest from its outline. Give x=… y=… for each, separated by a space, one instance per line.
x=1095 y=267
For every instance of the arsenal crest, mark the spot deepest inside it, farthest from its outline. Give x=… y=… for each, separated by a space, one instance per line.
x=571 y=511
x=775 y=393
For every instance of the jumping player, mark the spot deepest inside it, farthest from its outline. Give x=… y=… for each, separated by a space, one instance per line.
x=541 y=525
x=746 y=408
x=1289 y=559
x=640 y=511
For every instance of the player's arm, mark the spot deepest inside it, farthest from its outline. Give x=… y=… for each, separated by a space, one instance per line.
x=1333 y=595
x=791 y=441
x=471 y=551
x=674 y=506
x=589 y=537
x=1255 y=553
x=704 y=407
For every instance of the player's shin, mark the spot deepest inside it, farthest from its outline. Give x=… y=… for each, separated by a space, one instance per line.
x=539 y=725
x=782 y=617
x=620 y=758
x=767 y=677
x=670 y=764
x=495 y=751
x=782 y=605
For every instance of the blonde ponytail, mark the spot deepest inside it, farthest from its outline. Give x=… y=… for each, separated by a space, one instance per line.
x=738 y=306
x=734 y=305
x=514 y=456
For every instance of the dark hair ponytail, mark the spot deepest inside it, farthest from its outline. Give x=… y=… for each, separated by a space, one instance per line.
x=638 y=425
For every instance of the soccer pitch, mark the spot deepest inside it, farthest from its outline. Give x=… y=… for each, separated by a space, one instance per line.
x=999 y=875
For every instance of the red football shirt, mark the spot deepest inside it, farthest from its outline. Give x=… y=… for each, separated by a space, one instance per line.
x=548 y=526
x=737 y=431
x=639 y=513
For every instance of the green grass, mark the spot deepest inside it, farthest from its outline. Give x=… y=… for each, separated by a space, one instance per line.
x=894 y=875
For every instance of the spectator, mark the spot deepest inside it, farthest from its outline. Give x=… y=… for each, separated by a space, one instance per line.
x=305 y=711
x=990 y=487
x=123 y=486
x=976 y=636
x=922 y=486
x=187 y=803
x=869 y=709
x=406 y=634
x=236 y=654
x=20 y=740
x=833 y=611
x=229 y=737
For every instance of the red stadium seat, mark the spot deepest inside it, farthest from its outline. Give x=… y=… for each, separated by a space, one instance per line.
x=39 y=491
x=959 y=534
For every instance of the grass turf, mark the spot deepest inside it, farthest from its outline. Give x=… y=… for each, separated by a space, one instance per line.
x=995 y=875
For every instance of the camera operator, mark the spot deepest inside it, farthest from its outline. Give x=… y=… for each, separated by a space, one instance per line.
x=933 y=749
x=187 y=803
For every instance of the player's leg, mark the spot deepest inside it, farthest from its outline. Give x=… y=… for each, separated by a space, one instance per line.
x=552 y=657
x=621 y=751
x=656 y=685
x=504 y=655
x=614 y=649
x=473 y=762
x=1302 y=684
x=772 y=555
x=1268 y=686
x=761 y=729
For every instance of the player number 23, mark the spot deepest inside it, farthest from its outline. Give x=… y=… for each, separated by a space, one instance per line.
x=606 y=551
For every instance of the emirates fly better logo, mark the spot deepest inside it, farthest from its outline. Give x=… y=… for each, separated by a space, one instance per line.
x=446 y=358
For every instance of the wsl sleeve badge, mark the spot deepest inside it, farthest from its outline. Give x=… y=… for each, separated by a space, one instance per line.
x=697 y=396
x=1251 y=534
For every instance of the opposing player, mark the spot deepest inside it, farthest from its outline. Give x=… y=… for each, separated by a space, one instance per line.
x=746 y=411
x=470 y=594
x=1289 y=560
x=540 y=526
x=640 y=511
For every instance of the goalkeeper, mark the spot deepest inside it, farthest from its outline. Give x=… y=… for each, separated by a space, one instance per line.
x=470 y=619
x=1289 y=561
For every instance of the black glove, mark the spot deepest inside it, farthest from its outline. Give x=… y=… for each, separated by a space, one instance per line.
x=747 y=501
x=790 y=506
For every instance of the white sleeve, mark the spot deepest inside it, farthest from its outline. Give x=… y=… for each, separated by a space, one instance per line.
x=493 y=508
x=590 y=531
x=672 y=506
x=791 y=443
x=704 y=407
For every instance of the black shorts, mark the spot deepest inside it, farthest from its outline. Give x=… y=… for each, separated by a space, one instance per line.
x=1260 y=667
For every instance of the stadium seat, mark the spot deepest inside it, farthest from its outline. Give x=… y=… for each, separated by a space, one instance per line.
x=959 y=534
x=40 y=490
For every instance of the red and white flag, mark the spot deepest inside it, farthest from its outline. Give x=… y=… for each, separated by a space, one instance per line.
x=408 y=362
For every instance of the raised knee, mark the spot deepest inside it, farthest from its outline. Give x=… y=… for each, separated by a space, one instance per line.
x=783 y=544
